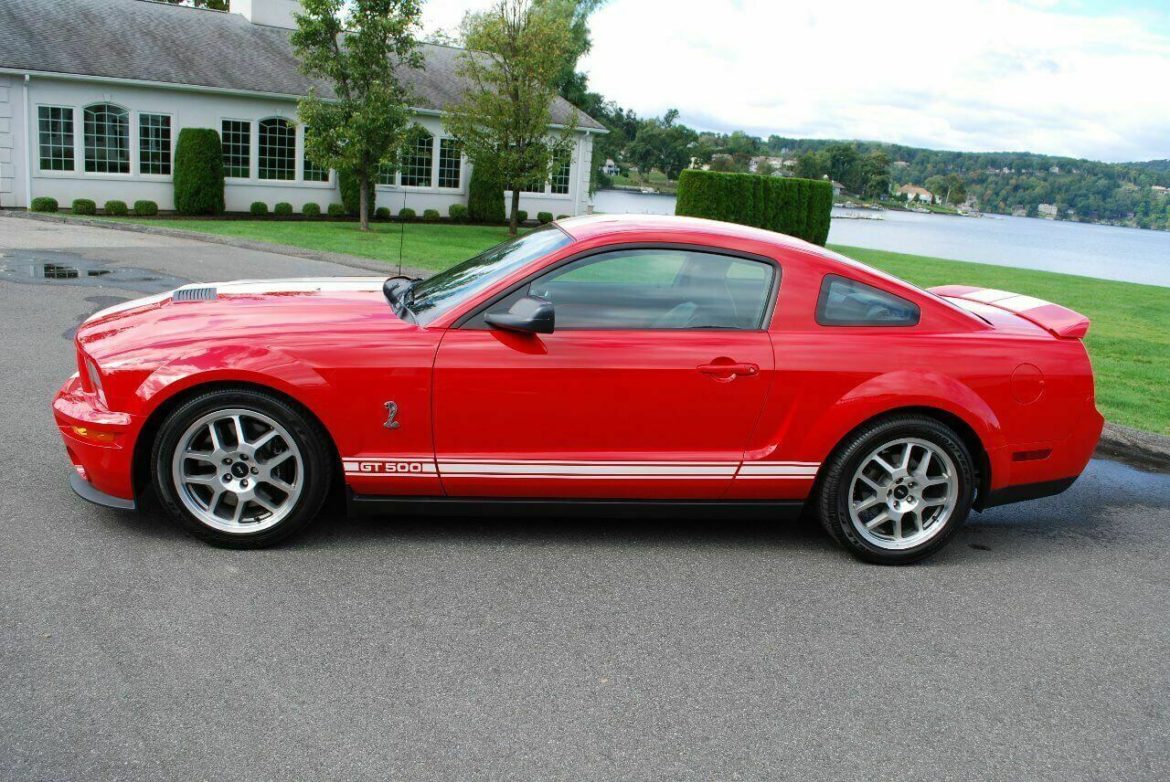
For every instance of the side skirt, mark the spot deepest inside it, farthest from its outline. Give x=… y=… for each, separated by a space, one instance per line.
x=370 y=505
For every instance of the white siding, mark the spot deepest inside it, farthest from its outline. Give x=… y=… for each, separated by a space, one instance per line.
x=10 y=188
x=189 y=109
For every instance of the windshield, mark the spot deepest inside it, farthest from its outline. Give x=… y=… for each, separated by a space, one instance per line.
x=430 y=298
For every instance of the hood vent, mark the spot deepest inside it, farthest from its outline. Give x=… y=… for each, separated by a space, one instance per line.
x=193 y=294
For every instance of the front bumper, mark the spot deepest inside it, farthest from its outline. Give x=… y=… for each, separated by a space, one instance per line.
x=100 y=444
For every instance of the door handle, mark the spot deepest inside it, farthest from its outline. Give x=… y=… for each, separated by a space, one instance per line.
x=728 y=370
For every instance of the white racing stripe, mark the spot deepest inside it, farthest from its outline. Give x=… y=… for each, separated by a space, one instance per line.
x=568 y=469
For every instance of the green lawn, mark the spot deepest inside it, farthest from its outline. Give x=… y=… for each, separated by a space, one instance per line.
x=1129 y=341
x=423 y=245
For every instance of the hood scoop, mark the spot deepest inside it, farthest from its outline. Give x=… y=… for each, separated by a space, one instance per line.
x=200 y=293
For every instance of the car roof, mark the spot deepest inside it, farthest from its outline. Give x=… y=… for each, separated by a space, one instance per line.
x=591 y=226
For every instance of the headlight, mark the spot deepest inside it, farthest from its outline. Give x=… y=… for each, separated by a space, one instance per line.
x=95 y=379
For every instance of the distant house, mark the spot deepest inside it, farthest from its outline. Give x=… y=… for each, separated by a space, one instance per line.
x=916 y=193
x=838 y=188
x=1159 y=190
x=776 y=164
x=610 y=168
x=1048 y=211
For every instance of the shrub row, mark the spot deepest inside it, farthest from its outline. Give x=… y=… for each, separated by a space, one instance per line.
x=797 y=207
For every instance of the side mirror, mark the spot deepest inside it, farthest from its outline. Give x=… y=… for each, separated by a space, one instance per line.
x=528 y=315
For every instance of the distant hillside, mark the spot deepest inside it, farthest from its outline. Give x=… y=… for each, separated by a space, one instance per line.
x=1003 y=182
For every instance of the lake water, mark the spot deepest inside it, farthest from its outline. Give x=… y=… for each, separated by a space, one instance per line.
x=1127 y=254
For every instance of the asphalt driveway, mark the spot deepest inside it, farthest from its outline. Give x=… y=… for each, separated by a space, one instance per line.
x=1036 y=647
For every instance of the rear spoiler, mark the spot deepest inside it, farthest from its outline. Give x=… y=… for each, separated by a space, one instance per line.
x=1059 y=321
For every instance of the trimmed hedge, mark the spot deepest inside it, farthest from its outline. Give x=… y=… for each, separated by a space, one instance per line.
x=562 y=217
x=283 y=209
x=797 y=207
x=521 y=217
x=382 y=213
x=351 y=195
x=198 y=178
x=431 y=215
x=485 y=196
x=116 y=208
x=544 y=217
x=406 y=213
x=337 y=210
x=44 y=204
x=145 y=208
x=311 y=210
x=84 y=206
x=457 y=213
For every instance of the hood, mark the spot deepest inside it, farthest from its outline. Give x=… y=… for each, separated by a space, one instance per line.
x=263 y=312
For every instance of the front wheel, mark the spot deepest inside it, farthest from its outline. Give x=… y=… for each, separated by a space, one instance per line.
x=241 y=468
x=897 y=490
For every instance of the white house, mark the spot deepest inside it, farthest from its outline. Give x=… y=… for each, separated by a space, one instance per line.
x=93 y=94
x=916 y=193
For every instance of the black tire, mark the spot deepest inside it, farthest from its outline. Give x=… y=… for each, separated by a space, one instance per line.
x=310 y=438
x=833 y=495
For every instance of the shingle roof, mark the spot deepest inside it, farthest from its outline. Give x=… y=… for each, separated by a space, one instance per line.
x=136 y=39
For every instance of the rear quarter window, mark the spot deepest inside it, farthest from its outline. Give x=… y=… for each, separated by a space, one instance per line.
x=846 y=302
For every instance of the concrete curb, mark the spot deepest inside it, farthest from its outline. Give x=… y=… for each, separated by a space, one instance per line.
x=356 y=262
x=1145 y=450
x=1134 y=447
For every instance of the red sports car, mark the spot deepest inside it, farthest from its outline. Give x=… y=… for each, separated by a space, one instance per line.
x=609 y=364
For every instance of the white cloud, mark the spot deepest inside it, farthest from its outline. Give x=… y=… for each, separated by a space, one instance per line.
x=956 y=74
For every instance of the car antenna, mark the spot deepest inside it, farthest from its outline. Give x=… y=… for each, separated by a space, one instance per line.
x=401 y=233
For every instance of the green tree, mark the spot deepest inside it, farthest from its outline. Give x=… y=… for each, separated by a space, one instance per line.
x=875 y=174
x=663 y=144
x=572 y=84
x=355 y=45
x=812 y=165
x=516 y=50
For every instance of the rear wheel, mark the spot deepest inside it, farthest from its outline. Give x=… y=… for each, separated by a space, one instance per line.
x=897 y=490
x=241 y=468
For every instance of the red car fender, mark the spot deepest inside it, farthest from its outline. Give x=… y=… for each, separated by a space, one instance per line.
x=263 y=366
x=899 y=390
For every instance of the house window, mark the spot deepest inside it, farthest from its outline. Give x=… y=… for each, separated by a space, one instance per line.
x=278 y=149
x=237 y=148
x=313 y=172
x=154 y=144
x=416 y=163
x=450 y=163
x=386 y=173
x=107 y=139
x=534 y=186
x=562 y=164
x=56 y=129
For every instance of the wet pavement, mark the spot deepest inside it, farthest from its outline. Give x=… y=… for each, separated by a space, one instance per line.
x=1035 y=647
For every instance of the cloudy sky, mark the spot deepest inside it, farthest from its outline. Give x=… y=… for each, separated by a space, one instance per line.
x=1087 y=78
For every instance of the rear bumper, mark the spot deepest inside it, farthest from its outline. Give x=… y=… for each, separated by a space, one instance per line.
x=1025 y=491
x=1018 y=475
x=100 y=445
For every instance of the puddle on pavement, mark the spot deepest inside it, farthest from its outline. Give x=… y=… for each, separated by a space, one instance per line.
x=57 y=268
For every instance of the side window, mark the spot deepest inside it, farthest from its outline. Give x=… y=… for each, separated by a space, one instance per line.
x=656 y=288
x=845 y=302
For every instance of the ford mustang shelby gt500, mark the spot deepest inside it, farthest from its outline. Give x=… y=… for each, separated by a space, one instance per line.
x=612 y=364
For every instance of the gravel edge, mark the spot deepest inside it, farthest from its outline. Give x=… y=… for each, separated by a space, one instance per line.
x=1145 y=450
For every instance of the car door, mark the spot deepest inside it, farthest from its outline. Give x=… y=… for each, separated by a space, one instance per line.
x=648 y=387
